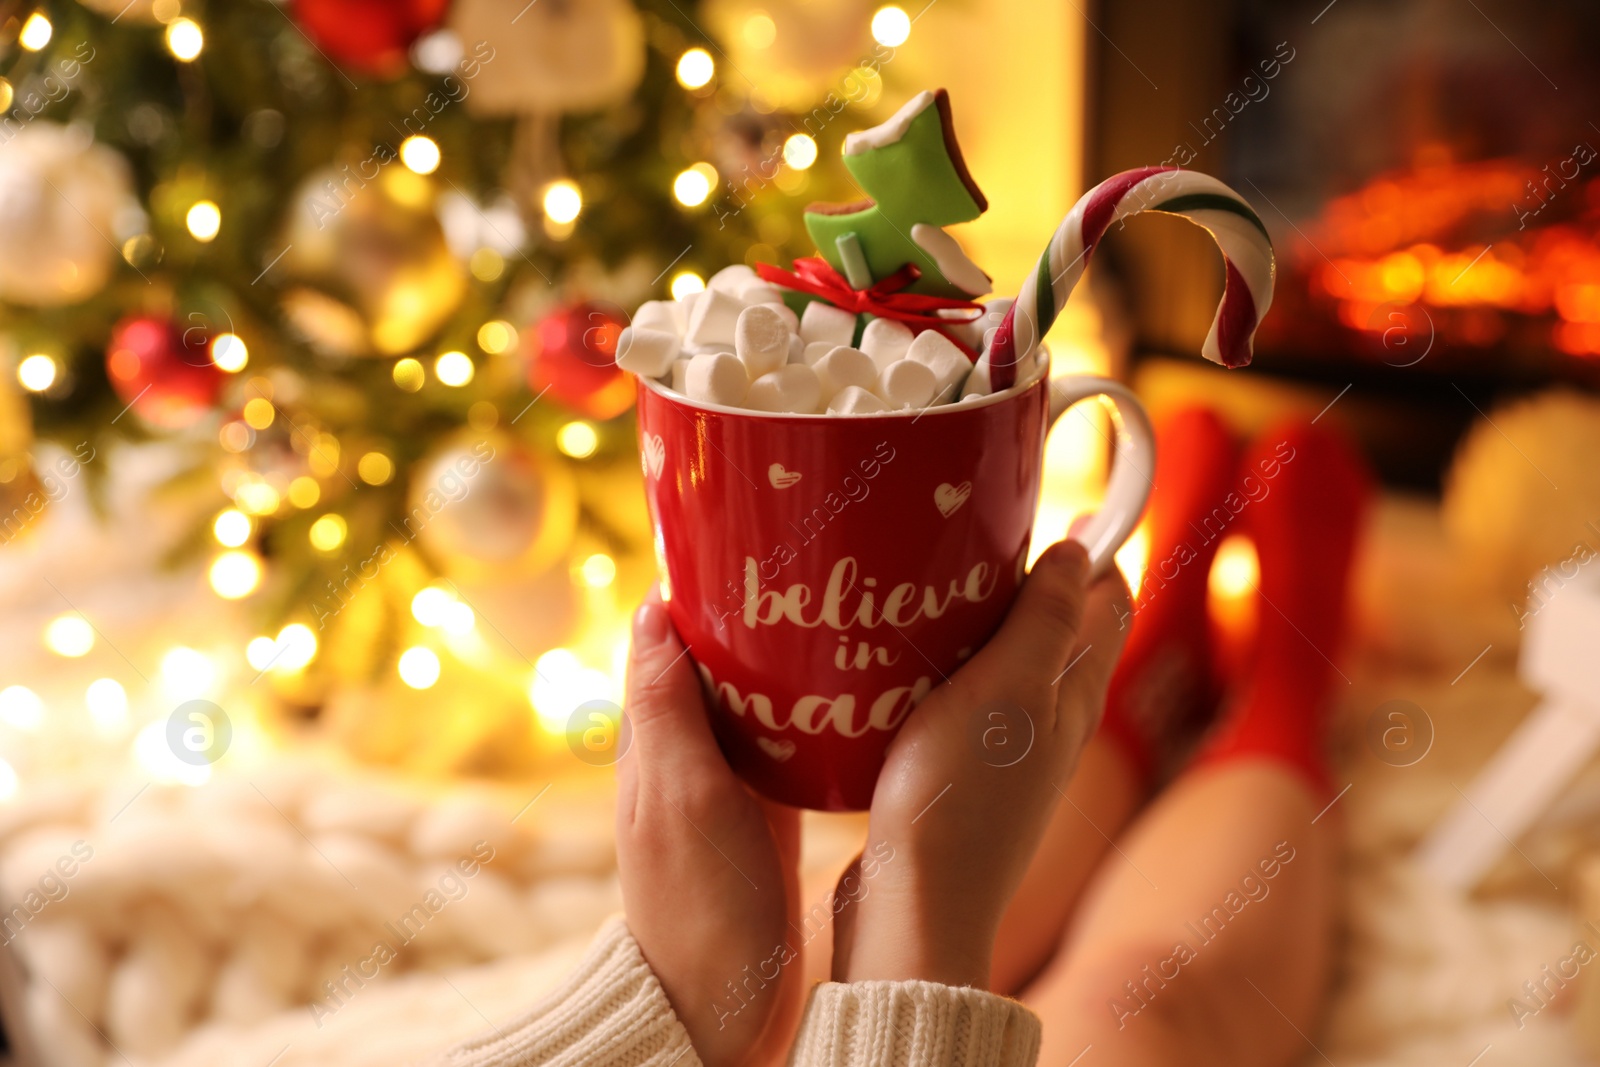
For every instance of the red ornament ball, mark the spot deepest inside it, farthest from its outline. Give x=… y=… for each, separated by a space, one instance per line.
x=573 y=354
x=369 y=36
x=162 y=371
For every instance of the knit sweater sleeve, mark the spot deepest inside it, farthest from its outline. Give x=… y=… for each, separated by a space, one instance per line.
x=610 y=1012
x=913 y=1024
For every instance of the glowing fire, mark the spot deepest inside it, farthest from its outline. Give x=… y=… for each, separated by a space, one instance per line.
x=1489 y=240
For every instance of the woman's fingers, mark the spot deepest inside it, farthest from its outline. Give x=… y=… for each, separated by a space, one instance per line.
x=1107 y=617
x=672 y=743
x=1034 y=644
x=1081 y=688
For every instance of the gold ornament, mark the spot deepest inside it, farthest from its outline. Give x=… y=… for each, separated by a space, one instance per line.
x=132 y=10
x=561 y=55
x=798 y=50
x=23 y=498
x=368 y=232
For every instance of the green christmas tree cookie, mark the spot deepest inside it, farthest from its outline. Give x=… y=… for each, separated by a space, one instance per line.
x=911 y=169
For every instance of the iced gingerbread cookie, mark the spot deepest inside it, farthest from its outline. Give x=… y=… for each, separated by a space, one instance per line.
x=883 y=319
x=917 y=183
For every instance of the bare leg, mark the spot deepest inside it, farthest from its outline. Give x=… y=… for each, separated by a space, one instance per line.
x=1208 y=941
x=1097 y=803
x=1164 y=686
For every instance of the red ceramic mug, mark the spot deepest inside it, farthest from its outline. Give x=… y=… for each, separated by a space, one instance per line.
x=826 y=572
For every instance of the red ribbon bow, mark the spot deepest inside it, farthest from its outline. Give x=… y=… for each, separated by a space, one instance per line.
x=884 y=299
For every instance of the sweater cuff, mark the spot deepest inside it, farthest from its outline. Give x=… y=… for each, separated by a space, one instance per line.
x=610 y=1012
x=887 y=1024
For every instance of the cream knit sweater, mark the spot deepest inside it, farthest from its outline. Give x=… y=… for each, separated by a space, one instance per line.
x=612 y=1012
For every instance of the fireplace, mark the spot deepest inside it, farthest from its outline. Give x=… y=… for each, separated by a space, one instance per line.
x=1429 y=171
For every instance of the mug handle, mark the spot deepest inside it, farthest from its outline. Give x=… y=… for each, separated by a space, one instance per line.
x=1133 y=465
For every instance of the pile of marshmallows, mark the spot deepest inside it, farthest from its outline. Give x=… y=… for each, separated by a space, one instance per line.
x=738 y=345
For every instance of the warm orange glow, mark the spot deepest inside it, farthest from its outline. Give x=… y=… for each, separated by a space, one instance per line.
x=1404 y=239
x=1579 y=302
x=1577 y=338
x=1231 y=591
x=1133 y=558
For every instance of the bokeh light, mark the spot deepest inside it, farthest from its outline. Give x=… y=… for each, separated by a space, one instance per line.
x=577 y=439
x=419 y=667
x=695 y=68
x=37 y=373
x=800 y=151
x=562 y=201
x=685 y=282
x=204 y=220
x=20 y=707
x=328 y=533
x=69 y=635
x=185 y=39
x=36 y=32
x=235 y=574
x=454 y=368
x=229 y=353
x=693 y=186
x=232 y=528
x=420 y=154
x=891 y=26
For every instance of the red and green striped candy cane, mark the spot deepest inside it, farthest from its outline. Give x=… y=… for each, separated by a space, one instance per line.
x=1204 y=201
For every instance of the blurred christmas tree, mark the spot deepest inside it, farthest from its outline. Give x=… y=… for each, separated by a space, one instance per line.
x=367 y=260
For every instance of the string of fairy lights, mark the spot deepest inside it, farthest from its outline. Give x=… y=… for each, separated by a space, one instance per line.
x=561 y=676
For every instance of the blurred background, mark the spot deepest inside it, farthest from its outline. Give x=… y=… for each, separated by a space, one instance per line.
x=320 y=512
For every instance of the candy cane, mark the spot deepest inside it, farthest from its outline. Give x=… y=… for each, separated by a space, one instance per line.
x=1204 y=201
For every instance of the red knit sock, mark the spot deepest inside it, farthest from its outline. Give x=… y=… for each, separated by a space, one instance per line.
x=1304 y=529
x=1166 y=680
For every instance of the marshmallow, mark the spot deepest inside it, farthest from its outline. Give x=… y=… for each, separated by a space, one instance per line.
x=761 y=340
x=660 y=315
x=994 y=313
x=758 y=291
x=815 y=351
x=906 y=383
x=788 y=315
x=731 y=279
x=939 y=354
x=845 y=367
x=717 y=378
x=854 y=400
x=680 y=372
x=886 y=341
x=646 y=352
x=686 y=306
x=824 y=322
x=713 y=319
x=793 y=387
x=977 y=383
x=797 y=349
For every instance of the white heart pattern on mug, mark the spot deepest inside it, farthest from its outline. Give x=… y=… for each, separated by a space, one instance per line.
x=778 y=750
x=780 y=478
x=949 y=498
x=653 y=454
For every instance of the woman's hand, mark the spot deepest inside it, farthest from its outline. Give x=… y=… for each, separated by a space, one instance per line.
x=973 y=777
x=709 y=872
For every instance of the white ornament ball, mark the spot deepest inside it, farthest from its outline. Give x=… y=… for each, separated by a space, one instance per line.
x=489 y=505
x=64 y=203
